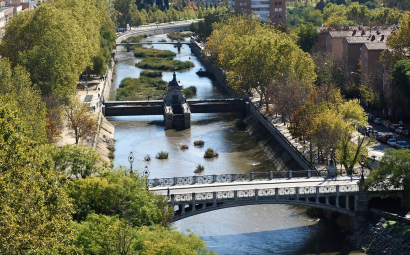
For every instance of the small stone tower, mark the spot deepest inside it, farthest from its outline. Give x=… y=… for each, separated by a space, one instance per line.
x=177 y=114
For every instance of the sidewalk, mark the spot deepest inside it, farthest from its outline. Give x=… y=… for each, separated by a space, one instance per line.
x=93 y=95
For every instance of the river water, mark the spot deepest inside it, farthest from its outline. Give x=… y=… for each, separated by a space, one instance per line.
x=259 y=229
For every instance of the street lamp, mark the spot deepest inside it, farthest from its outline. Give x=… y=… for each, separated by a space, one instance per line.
x=131 y=159
x=363 y=163
x=145 y=173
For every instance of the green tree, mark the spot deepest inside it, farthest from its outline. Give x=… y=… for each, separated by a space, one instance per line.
x=306 y=36
x=115 y=193
x=35 y=212
x=16 y=83
x=386 y=15
x=80 y=120
x=76 y=161
x=393 y=172
x=359 y=13
x=101 y=234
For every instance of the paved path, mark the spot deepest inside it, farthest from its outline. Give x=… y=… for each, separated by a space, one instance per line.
x=247 y=185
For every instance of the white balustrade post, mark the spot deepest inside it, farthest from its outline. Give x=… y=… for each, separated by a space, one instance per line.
x=270 y=175
x=256 y=194
x=309 y=173
x=235 y=195
x=252 y=176
x=214 y=198
x=290 y=174
x=277 y=193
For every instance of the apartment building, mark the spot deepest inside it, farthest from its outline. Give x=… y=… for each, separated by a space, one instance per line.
x=372 y=69
x=269 y=10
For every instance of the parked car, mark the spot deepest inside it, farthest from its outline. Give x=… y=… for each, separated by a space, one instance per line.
x=402 y=145
x=386 y=136
x=400 y=130
x=392 y=142
x=393 y=127
x=378 y=121
x=379 y=136
x=405 y=132
x=366 y=130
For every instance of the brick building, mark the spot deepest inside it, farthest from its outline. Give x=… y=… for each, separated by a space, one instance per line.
x=268 y=10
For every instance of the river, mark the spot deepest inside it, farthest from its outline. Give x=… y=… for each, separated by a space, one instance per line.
x=259 y=229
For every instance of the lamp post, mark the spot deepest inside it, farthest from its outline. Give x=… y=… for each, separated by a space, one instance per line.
x=145 y=173
x=363 y=163
x=131 y=159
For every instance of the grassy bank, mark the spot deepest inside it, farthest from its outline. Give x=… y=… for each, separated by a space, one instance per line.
x=140 y=88
x=163 y=64
x=174 y=36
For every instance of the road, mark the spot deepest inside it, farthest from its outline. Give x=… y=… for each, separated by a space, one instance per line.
x=248 y=185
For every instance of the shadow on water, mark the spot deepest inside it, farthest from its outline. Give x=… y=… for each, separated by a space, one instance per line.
x=282 y=241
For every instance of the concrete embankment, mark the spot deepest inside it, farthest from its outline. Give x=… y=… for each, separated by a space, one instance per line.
x=278 y=149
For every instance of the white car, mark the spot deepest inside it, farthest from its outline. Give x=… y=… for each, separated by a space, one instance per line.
x=392 y=142
x=378 y=121
x=402 y=145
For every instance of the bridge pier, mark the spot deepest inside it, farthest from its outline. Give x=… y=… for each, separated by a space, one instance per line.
x=128 y=46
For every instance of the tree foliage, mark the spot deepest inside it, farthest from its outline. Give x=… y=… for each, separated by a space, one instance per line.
x=80 y=120
x=116 y=193
x=35 y=212
x=393 y=172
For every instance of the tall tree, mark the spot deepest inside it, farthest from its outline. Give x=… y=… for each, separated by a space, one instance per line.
x=35 y=212
x=80 y=120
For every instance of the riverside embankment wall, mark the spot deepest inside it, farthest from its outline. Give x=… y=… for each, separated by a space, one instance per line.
x=278 y=149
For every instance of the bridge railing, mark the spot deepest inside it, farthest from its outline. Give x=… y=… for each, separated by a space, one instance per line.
x=224 y=178
x=268 y=193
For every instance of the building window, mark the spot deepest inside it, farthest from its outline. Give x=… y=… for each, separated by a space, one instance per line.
x=244 y=4
x=240 y=4
x=276 y=9
x=280 y=16
x=280 y=9
x=280 y=3
x=365 y=54
x=276 y=3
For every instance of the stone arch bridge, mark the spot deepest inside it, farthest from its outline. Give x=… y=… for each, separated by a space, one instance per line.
x=194 y=195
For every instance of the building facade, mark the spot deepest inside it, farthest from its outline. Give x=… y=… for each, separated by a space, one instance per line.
x=269 y=10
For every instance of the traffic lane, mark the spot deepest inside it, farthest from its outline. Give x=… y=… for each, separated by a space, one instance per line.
x=382 y=128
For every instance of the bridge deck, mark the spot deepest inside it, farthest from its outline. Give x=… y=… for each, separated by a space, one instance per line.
x=248 y=185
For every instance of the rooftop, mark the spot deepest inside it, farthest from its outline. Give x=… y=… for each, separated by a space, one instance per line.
x=376 y=46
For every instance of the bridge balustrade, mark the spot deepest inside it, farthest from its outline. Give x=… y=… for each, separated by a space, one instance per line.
x=222 y=178
x=322 y=196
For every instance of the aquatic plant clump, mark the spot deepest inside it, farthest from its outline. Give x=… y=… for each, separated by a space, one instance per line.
x=189 y=92
x=134 y=39
x=163 y=64
x=143 y=88
x=141 y=52
x=199 y=143
x=210 y=153
x=199 y=169
x=153 y=74
x=174 y=36
x=184 y=147
x=162 y=155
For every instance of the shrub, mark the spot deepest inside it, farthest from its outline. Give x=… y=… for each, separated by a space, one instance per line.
x=174 y=36
x=151 y=74
x=184 y=147
x=141 y=88
x=199 y=168
x=210 y=153
x=162 y=155
x=141 y=52
x=147 y=158
x=199 y=143
x=163 y=64
x=162 y=40
x=189 y=92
